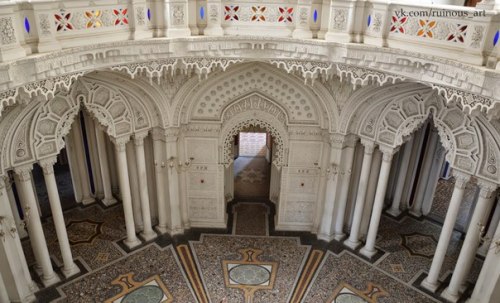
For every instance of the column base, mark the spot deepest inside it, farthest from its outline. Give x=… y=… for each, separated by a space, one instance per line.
x=432 y=287
x=69 y=272
x=325 y=237
x=51 y=280
x=339 y=237
x=415 y=214
x=131 y=244
x=367 y=252
x=393 y=212
x=148 y=236
x=176 y=231
x=88 y=201
x=161 y=229
x=109 y=201
x=450 y=297
x=352 y=245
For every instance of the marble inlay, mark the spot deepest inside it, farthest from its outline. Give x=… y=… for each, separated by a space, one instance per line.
x=345 y=293
x=249 y=274
x=151 y=290
x=83 y=231
x=419 y=244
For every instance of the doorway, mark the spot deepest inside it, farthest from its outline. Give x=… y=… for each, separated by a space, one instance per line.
x=252 y=165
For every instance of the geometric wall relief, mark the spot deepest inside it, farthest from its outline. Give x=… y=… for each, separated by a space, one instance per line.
x=249 y=274
x=345 y=293
x=151 y=290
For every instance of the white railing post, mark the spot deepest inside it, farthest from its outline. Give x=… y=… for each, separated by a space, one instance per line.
x=176 y=18
x=302 y=16
x=341 y=26
x=10 y=48
x=138 y=20
x=214 y=18
x=45 y=27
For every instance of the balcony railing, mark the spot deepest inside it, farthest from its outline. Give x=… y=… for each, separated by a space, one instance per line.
x=469 y=35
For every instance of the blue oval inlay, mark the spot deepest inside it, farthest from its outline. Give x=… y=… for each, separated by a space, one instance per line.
x=249 y=274
x=369 y=20
x=27 y=24
x=202 y=13
x=495 y=39
x=149 y=14
x=144 y=294
x=315 y=16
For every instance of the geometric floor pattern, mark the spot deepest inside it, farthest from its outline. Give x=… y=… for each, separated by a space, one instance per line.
x=251 y=263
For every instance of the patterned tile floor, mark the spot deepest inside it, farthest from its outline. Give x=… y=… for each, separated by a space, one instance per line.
x=251 y=263
x=252 y=177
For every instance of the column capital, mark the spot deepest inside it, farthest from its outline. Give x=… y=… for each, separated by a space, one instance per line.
x=369 y=146
x=339 y=141
x=486 y=188
x=387 y=152
x=461 y=178
x=120 y=143
x=158 y=134
x=24 y=172
x=172 y=133
x=48 y=165
x=139 y=138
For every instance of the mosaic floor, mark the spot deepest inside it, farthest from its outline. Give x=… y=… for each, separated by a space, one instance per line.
x=251 y=263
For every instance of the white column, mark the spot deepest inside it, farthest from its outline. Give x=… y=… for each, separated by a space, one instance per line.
x=431 y=281
x=471 y=242
x=369 y=249
x=173 y=182
x=495 y=219
x=353 y=240
x=418 y=141
x=159 y=147
x=345 y=178
x=73 y=167
x=104 y=167
x=93 y=154
x=147 y=232
x=432 y=182
x=425 y=172
x=13 y=205
x=20 y=286
x=134 y=186
x=69 y=267
x=82 y=162
x=402 y=176
x=122 y=165
x=370 y=192
x=35 y=229
x=4 y=296
x=487 y=287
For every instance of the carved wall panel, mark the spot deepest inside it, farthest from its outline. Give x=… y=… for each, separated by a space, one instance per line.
x=202 y=150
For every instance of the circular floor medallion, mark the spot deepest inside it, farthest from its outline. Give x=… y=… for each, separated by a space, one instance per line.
x=249 y=274
x=349 y=298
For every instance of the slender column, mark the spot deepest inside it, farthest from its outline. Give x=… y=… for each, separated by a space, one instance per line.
x=103 y=159
x=183 y=187
x=13 y=205
x=369 y=249
x=134 y=185
x=431 y=281
x=403 y=174
x=418 y=141
x=471 y=242
x=69 y=269
x=20 y=286
x=4 y=296
x=35 y=229
x=425 y=172
x=147 y=232
x=122 y=165
x=483 y=250
x=158 y=147
x=432 y=181
x=173 y=182
x=82 y=163
x=353 y=241
x=345 y=178
x=73 y=167
x=90 y=127
x=370 y=192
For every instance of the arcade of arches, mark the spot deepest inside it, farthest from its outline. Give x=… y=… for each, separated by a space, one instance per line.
x=120 y=189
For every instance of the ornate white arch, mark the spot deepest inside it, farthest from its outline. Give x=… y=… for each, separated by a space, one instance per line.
x=241 y=121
